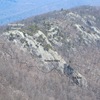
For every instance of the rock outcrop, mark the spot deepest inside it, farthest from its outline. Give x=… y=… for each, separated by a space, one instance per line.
x=54 y=56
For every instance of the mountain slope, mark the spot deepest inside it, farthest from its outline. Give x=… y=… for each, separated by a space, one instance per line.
x=53 y=56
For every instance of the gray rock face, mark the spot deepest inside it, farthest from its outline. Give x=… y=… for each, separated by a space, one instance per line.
x=55 y=56
x=76 y=77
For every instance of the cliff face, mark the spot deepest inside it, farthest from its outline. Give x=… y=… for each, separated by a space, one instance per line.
x=54 y=56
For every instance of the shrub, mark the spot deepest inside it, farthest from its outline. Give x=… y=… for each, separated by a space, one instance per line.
x=33 y=28
x=11 y=38
x=47 y=25
x=41 y=39
x=22 y=40
x=30 y=30
x=47 y=47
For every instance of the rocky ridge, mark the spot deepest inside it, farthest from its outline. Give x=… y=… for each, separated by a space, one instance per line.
x=54 y=56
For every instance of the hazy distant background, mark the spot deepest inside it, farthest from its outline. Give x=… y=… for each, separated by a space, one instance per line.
x=13 y=10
